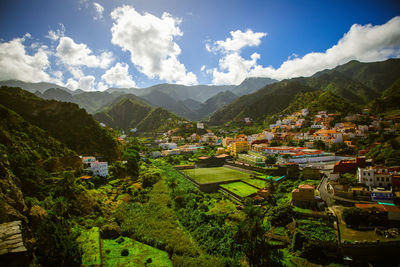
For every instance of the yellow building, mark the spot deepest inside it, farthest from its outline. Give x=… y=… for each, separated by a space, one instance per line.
x=220 y=151
x=303 y=196
x=239 y=147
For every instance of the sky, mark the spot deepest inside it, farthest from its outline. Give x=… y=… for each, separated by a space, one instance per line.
x=98 y=44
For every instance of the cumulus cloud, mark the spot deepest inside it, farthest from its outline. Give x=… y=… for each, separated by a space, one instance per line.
x=16 y=63
x=118 y=76
x=99 y=9
x=233 y=68
x=238 y=41
x=73 y=54
x=57 y=34
x=86 y=83
x=366 y=43
x=150 y=41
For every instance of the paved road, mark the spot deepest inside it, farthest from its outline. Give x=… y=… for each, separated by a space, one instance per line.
x=329 y=198
x=323 y=192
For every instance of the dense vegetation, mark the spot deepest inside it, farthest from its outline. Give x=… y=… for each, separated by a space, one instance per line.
x=128 y=111
x=65 y=122
x=354 y=82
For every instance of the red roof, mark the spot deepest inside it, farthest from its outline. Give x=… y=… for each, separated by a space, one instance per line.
x=306 y=186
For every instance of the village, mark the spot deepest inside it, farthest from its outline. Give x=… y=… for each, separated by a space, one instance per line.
x=313 y=164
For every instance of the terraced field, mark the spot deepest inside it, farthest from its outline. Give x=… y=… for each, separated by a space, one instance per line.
x=215 y=175
x=240 y=189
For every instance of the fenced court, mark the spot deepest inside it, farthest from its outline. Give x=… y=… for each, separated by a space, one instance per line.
x=215 y=175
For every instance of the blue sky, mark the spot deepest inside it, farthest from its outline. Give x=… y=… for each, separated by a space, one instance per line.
x=98 y=44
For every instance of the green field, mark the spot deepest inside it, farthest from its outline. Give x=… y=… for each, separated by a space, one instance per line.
x=90 y=243
x=139 y=254
x=239 y=188
x=257 y=183
x=215 y=175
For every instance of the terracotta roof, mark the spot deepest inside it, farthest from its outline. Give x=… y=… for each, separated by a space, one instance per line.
x=86 y=177
x=306 y=186
x=204 y=157
x=370 y=206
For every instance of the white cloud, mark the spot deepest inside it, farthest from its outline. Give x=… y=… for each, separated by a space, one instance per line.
x=365 y=43
x=73 y=54
x=99 y=9
x=55 y=35
x=101 y=86
x=86 y=83
x=118 y=76
x=238 y=41
x=72 y=84
x=150 y=41
x=16 y=63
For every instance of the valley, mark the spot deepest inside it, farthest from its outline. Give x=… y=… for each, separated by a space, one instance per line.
x=299 y=172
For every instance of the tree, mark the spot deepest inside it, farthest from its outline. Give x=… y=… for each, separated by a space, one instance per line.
x=353 y=216
x=318 y=144
x=347 y=179
x=132 y=157
x=270 y=159
x=172 y=183
x=251 y=235
x=67 y=186
x=56 y=244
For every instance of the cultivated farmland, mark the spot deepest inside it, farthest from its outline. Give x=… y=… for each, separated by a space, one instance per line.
x=216 y=175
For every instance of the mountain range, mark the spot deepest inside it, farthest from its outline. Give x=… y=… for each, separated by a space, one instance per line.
x=345 y=88
x=355 y=83
x=185 y=101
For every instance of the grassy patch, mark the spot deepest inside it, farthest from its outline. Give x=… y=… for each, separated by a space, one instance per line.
x=218 y=174
x=239 y=188
x=257 y=183
x=139 y=254
x=90 y=243
x=155 y=223
x=300 y=210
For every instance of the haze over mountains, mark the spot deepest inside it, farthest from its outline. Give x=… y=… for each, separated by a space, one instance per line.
x=355 y=83
x=345 y=88
x=187 y=101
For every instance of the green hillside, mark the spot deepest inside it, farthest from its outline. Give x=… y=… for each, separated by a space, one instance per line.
x=318 y=100
x=376 y=75
x=123 y=112
x=355 y=84
x=65 y=122
x=28 y=155
x=266 y=101
x=389 y=100
x=129 y=111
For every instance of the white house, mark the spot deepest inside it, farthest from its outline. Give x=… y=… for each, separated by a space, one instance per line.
x=99 y=168
x=155 y=154
x=305 y=112
x=168 y=145
x=374 y=177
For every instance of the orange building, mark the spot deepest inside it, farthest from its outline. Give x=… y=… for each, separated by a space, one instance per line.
x=303 y=196
x=239 y=147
